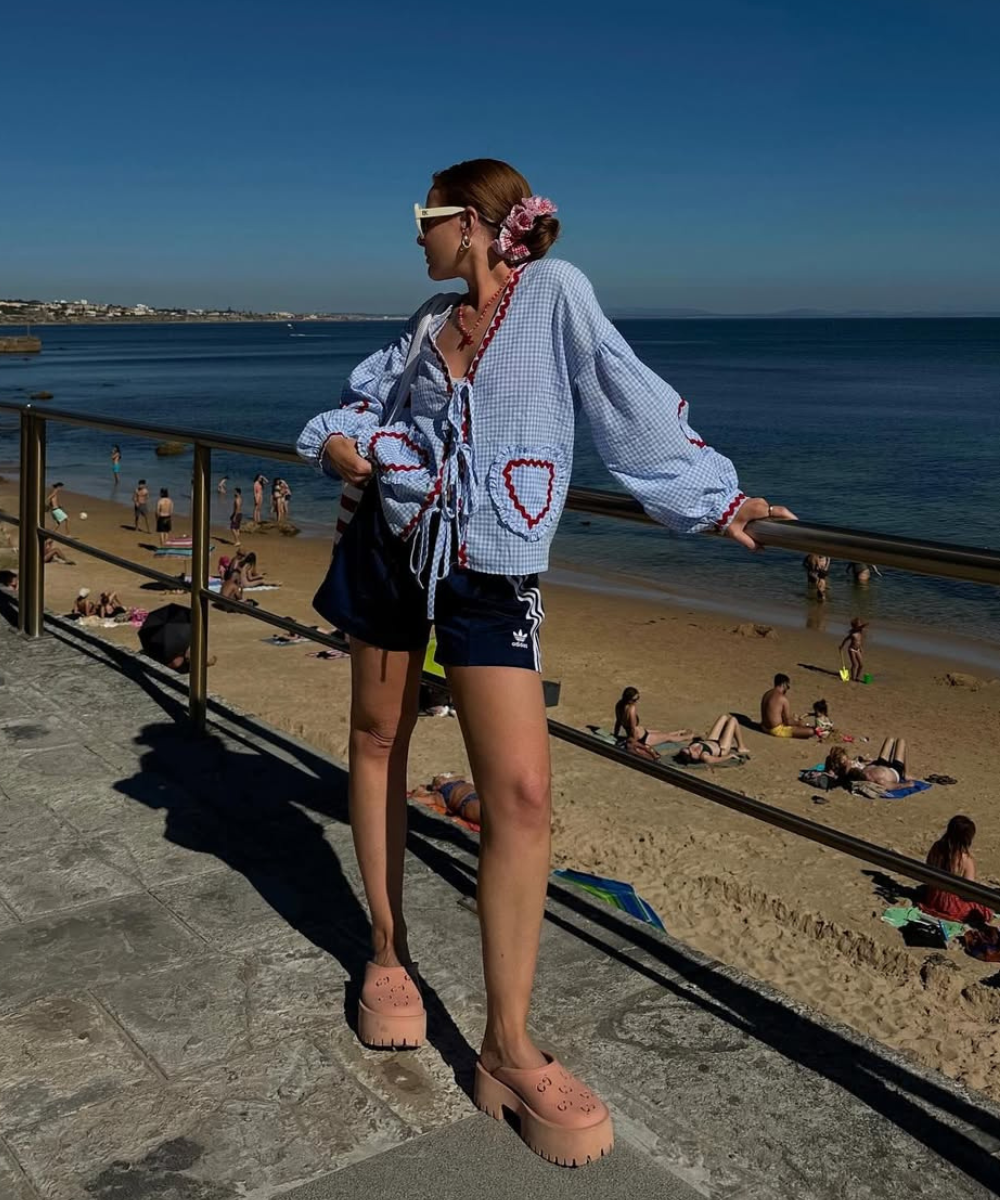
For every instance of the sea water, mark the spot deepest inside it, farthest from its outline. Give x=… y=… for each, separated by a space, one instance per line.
x=880 y=424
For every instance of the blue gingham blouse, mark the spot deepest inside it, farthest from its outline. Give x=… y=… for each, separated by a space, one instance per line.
x=492 y=452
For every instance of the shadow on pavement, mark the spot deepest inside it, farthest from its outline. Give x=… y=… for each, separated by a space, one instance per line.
x=249 y=814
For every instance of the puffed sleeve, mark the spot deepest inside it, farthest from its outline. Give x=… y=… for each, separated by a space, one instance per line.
x=640 y=424
x=362 y=402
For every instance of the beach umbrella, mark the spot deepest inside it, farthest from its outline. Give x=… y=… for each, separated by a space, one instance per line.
x=620 y=895
x=166 y=632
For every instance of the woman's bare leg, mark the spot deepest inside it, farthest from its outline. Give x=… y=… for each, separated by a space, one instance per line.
x=899 y=756
x=655 y=736
x=501 y=708
x=731 y=734
x=884 y=755
x=715 y=733
x=384 y=690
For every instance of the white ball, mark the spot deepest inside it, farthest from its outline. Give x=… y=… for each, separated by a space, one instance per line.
x=83 y=516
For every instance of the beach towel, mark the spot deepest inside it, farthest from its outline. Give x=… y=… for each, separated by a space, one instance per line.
x=603 y=735
x=909 y=789
x=937 y=930
x=176 y=551
x=620 y=895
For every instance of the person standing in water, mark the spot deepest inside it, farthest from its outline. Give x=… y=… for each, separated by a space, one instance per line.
x=236 y=518
x=116 y=464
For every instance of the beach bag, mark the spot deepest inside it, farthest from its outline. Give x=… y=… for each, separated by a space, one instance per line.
x=350 y=496
x=817 y=779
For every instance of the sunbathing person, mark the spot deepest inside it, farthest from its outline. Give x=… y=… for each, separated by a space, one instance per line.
x=632 y=730
x=889 y=770
x=717 y=746
x=8 y=579
x=249 y=570
x=52 y=554
x=82 y=605
x=953 y=852
x=109 y=605
x=457 y=794
x=776 y=717
x=232 y=586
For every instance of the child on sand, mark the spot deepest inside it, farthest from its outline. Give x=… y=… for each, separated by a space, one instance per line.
x=855 y=648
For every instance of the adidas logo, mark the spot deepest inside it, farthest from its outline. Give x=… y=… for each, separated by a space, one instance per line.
x=520 y=641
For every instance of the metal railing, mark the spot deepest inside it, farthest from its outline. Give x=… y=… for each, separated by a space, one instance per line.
x=909 y=554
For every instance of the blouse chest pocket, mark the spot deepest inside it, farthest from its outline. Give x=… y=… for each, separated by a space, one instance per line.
x=528 y=486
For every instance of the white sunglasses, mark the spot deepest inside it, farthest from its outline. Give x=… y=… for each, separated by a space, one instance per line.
x=422 y=214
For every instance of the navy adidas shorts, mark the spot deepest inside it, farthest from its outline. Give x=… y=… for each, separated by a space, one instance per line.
x=370 y=593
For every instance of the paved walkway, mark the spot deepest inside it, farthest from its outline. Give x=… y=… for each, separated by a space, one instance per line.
x=179 y=925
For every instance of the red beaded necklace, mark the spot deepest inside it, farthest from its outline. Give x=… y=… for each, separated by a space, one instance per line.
x=466 y=339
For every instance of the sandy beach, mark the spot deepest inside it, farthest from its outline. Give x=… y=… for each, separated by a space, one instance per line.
x=802 y=917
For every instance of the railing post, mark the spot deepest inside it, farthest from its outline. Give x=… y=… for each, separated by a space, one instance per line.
x=31 y=561
x=201 y=512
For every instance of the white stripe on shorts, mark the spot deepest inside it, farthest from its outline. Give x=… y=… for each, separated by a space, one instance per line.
x=532 y=599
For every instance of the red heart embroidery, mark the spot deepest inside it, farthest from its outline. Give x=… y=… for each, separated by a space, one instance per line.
x=417 y=449
x=544 y=464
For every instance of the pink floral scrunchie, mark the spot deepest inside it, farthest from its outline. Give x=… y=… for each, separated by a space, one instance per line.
x=509 y=244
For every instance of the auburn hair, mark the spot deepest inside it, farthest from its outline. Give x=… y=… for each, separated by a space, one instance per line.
x=492 y=188
x=947 y=852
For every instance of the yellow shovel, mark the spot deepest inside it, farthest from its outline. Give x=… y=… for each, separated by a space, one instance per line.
x=845 y=671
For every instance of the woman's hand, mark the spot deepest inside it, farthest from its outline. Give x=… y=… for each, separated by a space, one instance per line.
x=755 y=509
x=342 y=455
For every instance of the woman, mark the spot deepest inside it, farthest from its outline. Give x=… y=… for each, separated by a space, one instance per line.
x=717 y=746
x=109 y=605
x=53 y=507
x=953 y=852
x=471 y=480
x=458 y=795
x=249 y=569
x=164 y=515
x=116 y=464
x=889 y=770
x=83 y=606
x=632 y=730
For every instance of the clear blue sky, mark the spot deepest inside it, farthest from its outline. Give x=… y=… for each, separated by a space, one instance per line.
x=735 y=155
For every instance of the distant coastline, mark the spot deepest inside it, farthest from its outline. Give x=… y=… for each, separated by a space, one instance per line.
x=18 y=312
